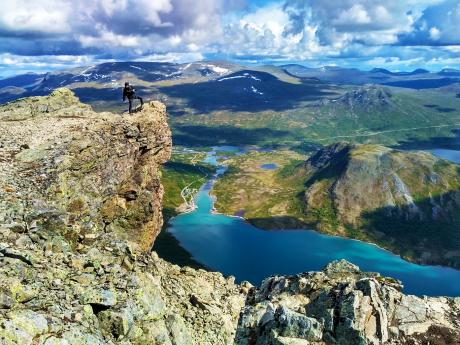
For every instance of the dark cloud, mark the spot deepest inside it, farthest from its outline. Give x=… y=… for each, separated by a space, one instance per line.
x=30 y=46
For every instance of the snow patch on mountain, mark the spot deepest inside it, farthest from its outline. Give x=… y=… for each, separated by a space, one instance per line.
x=253 y=89
x=245 y=75
x=217 y=69
x=139 y=68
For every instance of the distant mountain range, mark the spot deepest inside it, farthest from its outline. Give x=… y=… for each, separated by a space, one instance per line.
x=209 y=102
x=110 y=76
x=417 y=79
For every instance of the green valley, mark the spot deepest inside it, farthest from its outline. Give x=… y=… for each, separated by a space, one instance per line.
x=407 y=202
x=268 y=198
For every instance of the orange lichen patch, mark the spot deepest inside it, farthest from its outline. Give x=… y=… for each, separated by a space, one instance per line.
x=8 y=189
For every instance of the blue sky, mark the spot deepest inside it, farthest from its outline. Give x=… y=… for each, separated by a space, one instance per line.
x=43 y=35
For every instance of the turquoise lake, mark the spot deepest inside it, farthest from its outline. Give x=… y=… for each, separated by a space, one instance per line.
x=234 y=247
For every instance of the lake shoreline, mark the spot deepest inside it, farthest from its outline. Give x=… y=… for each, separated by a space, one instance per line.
x=214 y=211
x=196 y=229
x=336 y=236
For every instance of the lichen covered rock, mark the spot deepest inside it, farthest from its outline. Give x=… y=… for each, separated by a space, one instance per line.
x=80 y=205
x=343 y=306
x=79 y=173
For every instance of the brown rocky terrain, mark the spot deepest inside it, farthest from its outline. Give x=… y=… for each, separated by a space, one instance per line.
x=80 y=207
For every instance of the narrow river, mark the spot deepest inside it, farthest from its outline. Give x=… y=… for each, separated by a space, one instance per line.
x=234 y=247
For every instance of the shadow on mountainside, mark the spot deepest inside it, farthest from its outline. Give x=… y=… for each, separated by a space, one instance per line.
x=248 y=91
x=279 y=223
x=424 y=240
x=193 y=136
x=444 y=142
x=435 y=231
x=169 y=248
x=419 y=84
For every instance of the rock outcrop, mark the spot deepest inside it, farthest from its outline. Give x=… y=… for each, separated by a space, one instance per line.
x=81 y=173
x=399 y=199
x=363 y=98
x=343 y=306
x=103 y=294
x=79 y=209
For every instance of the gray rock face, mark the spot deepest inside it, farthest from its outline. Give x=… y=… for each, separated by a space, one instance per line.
x=344 y=306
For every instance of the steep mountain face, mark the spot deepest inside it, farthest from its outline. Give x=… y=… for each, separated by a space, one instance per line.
x=79 y=209
x=408 y=201
x=81 y=172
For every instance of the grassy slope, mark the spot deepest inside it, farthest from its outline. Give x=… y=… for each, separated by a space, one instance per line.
x=306 y=123
x=269 y=198
x=411 y=109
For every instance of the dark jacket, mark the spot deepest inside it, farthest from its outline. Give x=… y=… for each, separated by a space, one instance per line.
x=128 y=92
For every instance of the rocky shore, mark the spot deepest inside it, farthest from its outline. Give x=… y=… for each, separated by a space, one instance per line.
x=80 y=206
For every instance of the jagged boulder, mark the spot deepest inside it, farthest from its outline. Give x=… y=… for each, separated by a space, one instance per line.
x=342 y=305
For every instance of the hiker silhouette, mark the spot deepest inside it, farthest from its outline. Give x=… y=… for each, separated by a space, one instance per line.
x=130 y=93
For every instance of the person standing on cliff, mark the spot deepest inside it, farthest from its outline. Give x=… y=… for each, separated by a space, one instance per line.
x=130 y=93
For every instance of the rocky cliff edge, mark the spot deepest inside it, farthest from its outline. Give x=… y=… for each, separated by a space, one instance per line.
x=80 y=206
x=82 y=174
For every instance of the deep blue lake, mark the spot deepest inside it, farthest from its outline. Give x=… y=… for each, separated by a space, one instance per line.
x=234 y=247
x=451 y=155
x=269 y=166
